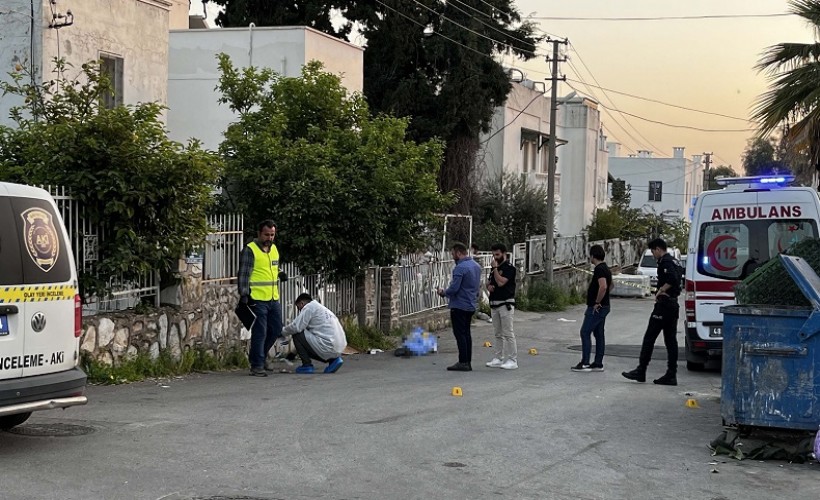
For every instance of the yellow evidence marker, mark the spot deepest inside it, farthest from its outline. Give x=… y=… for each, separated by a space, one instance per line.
x=692 y=403
x=487 y=344
x=533 y=351
x=457 y=392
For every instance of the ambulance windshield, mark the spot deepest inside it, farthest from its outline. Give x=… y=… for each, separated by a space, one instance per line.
x=734 y=249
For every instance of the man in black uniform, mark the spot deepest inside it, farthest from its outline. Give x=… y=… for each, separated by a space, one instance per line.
x=664 y=318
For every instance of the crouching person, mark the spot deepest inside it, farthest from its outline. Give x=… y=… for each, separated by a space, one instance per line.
x=317 y=334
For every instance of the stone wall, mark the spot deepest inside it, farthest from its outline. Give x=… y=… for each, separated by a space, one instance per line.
x=198 y=317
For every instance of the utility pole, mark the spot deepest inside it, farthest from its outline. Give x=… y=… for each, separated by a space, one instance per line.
x=707 y=160
x=549 y=244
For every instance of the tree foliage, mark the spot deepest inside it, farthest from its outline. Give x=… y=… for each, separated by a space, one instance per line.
x=430 y=60
x=793 y=99
x=719 y=171
x=759 y=157
x=148 y=194
x=510 y=209
x=345 y=188
x=620 y=221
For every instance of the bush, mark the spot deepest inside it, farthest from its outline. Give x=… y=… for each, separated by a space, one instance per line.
x=542 y=297
x=364 y=338
x=142 y=366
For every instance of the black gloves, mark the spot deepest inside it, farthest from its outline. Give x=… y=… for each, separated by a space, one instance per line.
x=283 y=276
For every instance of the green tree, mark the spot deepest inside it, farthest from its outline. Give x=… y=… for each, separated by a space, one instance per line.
x=316 y=14
x=346 y=189
x=759 y=157
x=509 y=210
x=147 y=194
x=430 y=60
x=710 y=178
x=792 y=100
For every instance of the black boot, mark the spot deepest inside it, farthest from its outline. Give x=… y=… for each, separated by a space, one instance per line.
x=669 y=378
x=460 y=367
x=638 y=374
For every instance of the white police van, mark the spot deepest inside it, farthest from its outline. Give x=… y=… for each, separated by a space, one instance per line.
x=40 y=309
x=734 y=230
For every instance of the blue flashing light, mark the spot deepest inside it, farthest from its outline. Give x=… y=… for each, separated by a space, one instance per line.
x=772 y=180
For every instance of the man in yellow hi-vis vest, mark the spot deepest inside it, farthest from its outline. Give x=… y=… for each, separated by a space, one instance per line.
x=259 y=278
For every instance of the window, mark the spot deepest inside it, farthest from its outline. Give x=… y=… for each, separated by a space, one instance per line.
x=732 y=250
x=529 y=155
x=111 y=66
x=655 y=190
x=32 y=247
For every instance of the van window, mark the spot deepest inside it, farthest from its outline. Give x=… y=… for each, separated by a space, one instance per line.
x=648 y=261
x=732 y=250
x=43 y=253
x=11 y=270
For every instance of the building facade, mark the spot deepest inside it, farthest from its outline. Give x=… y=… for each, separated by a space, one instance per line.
x=518 y=144
x=129 y=37
x=193 y=105
x=665 y=186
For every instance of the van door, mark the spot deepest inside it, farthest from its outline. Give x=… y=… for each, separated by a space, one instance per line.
x=12 y=308
x=48 y=287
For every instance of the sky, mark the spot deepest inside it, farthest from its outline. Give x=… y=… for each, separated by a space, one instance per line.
x=704 y=64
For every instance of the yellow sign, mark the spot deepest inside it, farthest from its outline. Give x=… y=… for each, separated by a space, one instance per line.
x=40 y=293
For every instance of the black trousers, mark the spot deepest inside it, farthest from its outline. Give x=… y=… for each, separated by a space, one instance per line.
x=664 y=319
x=304 y=350
x=460 y=319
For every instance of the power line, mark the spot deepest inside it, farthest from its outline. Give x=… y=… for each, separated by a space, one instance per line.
x=485 y=141
x=482 y=22
x=660 y=18
x=470 y=30
x=664 y=103
x=434 y=32
x=584 y=64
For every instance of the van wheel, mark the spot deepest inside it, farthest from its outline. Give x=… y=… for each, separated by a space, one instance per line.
x=695 y=367
x=9 y=421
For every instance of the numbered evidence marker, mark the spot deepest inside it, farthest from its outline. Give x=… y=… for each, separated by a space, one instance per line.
x=457 y=392
x=533 y=351
x=487 y=344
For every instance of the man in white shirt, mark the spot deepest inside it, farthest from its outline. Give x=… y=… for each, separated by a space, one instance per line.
x=317 y=334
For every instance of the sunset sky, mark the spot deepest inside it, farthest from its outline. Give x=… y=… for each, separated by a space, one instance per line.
x=705 y=64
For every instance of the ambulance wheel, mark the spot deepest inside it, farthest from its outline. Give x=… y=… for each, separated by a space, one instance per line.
x=9 y=421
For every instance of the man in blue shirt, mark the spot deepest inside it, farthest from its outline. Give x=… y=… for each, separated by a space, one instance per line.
x=463 y=297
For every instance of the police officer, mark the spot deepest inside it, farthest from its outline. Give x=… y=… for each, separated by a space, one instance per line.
x=258 y=279
x=664 y=318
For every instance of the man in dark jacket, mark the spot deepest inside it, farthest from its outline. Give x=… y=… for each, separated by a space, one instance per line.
x=664 y=318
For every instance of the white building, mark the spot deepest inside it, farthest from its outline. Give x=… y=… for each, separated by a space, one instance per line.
x=518 y=144
x=194 y=74
x=664 y=186
x=130 y=37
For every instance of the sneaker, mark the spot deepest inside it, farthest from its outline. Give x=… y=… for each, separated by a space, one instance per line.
x=667 y=379
x=258 y=372
x=580 y=367
x=597 y=367
x=510 y=364
x=460 y=367
x=334 y=365
x=495 y=363
x=636 y=375
x=305 y=369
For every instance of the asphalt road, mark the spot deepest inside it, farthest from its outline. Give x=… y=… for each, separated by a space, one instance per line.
x=385 y=427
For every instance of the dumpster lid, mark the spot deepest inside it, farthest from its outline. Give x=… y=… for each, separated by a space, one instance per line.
x=804 y=276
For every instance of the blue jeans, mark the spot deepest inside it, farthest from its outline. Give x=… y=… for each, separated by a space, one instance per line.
x=266 y=328
x=593 y=325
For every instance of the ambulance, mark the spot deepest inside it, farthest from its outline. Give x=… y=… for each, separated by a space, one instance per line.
x=40 y=309
x=735 y=230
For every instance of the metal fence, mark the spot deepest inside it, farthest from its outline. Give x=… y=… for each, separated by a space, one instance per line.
x=339 y=297
x=421 y=274
x=223 y=245
x=86 y=238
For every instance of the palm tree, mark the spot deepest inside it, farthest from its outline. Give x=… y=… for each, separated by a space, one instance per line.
x=793 y=99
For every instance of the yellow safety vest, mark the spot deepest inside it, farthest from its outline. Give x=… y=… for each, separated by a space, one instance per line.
x=264 y=280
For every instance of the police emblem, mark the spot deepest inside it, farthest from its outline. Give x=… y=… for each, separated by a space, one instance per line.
x=41 y=239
